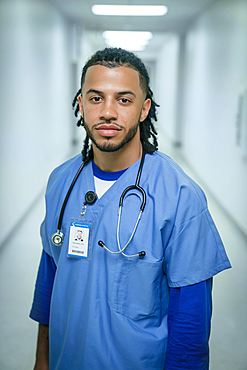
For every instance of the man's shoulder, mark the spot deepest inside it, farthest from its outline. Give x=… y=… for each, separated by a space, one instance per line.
x=68 y=165
x=65 y=170
x=173 y=178
x=166 y=165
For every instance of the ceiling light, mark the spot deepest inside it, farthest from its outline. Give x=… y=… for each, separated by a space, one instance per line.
x=130 y=35
x=129 y=40
x=130 y=10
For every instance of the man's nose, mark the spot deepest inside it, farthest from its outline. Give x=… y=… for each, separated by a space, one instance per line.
x=109 y=111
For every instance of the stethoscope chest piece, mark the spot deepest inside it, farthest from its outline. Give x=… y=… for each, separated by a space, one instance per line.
x=57 y=238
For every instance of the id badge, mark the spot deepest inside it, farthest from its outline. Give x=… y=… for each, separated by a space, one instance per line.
x=80 y=239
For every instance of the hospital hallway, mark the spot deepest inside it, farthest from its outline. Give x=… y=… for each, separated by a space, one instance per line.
x=196 y=55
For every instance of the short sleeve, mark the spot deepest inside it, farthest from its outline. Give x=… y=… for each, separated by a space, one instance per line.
x=40 y=310
x=195 y=251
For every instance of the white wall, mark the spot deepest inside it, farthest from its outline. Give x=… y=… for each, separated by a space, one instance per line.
x=35 y=109
x=35 y=129
x=216 y=75
x=201 y=78
x=39 y=75
x=167 y=86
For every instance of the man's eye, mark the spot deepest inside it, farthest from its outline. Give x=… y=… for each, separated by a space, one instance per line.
x=96 y=98
x=124 y=100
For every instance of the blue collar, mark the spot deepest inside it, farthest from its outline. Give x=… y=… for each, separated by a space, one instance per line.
x=104 y=175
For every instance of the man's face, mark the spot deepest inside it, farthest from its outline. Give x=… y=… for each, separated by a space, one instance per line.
x=112 y=105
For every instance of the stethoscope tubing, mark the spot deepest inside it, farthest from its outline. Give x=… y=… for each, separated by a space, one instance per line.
x=136 y=186
x=59 y=225
x=57 y=238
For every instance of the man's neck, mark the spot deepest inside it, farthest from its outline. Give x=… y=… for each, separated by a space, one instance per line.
x=119 y=160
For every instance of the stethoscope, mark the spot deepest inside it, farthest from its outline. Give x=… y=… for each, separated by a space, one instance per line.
x=90 y=198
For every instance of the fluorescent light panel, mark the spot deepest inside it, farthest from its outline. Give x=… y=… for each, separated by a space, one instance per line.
x=124 y=35
x=130 y=10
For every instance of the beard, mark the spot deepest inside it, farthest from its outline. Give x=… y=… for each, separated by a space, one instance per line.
x=109 y=147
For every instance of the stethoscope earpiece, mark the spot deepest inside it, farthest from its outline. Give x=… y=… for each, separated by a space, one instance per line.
x=140 y=254
x=101 y=244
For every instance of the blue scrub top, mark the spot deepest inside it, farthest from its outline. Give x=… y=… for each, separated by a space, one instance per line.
x=112 y=309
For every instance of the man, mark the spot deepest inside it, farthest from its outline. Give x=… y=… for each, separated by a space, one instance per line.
x=140 y=297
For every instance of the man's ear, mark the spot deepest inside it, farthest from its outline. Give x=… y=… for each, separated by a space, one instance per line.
x=145 y=109
x=80 y=104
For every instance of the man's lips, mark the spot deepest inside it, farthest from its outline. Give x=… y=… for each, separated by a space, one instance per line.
x=108 y=129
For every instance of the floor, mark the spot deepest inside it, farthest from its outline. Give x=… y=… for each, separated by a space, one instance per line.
x=18 y=268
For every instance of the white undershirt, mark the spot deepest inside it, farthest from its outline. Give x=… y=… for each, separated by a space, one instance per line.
x=101 y=186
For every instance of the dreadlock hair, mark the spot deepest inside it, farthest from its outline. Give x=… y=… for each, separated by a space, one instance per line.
x=113 y=58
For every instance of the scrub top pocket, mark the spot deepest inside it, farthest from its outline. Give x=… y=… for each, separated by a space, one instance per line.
x=136 y=288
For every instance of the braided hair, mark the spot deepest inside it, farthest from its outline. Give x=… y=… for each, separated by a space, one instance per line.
x=112 y=58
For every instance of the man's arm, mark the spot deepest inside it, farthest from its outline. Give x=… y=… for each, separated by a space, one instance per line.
x=189 y=317
x=42 y=353
x=40 y=311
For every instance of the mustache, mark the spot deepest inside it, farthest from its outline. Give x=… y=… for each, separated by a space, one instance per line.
x=97 y=125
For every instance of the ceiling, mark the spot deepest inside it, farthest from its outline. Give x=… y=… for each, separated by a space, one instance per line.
x=180 y=14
